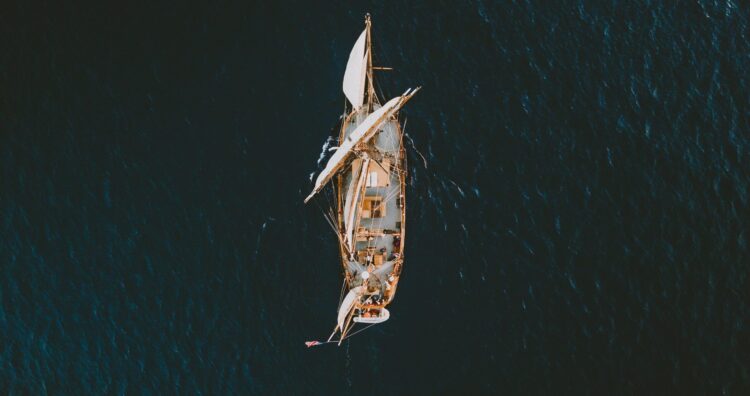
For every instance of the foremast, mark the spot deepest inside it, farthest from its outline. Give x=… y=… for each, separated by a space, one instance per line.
x=371 y=97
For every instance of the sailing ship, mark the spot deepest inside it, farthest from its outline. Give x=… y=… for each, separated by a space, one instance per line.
x=368 y=174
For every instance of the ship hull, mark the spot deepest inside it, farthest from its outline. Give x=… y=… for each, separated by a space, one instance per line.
x=376 y=217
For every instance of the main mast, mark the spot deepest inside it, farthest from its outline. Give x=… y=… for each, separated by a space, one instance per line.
x=368 y=51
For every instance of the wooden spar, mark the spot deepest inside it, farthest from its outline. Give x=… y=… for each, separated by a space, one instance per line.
x=347 y=325
x=337 y=193
x=382 y=167
x=330 y=220
x=370 y=87
x=334 y=333
x=381 y=68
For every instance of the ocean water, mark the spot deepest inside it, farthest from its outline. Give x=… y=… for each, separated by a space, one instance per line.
x=579 y=223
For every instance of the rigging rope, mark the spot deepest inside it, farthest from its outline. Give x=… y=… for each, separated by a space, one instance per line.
x=348 y=336
x=358 y=331
x=341 y=294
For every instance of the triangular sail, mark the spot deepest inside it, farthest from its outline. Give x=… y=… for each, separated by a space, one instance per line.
x=364 y=131
x=347 y=304
x=354 y=76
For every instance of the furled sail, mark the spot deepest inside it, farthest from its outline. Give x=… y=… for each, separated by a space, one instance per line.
x=354 y=76
x=364 y=131
x=348 y=203
x=352 y=204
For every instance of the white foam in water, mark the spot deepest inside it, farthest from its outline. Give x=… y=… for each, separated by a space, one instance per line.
x=323 y=152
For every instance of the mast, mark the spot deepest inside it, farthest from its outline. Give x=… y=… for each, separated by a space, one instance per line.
x=370 y=87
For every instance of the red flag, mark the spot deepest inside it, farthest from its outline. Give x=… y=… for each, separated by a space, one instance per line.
x=312 y=343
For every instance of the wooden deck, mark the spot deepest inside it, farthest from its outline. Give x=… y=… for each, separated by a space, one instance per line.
x=378 y=237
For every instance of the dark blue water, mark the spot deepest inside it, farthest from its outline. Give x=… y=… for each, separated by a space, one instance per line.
x=581 y=225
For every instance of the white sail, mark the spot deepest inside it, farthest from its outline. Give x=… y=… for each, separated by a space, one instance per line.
x=347 y=304
x=350 y=192
x=364 y=131
x=351 y=211
x=354 y=76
